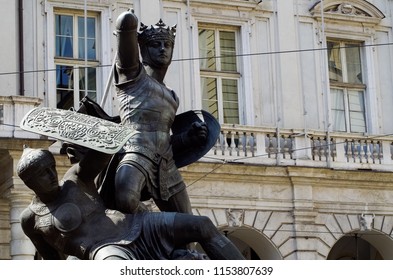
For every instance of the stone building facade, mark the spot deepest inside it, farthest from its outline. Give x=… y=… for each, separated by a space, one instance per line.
x=302 y=89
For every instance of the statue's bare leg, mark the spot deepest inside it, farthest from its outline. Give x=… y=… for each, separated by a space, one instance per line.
x=129 y=182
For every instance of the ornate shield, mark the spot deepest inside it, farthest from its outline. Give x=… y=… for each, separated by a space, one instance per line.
x=182 y=123
x=80 y=129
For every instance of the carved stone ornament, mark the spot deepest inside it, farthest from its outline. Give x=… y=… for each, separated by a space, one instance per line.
x=80 y=129
x=235 y=217
x=366 y=221
x=347 y=9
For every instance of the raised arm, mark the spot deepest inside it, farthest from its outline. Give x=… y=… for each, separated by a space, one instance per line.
x=92 y=164
x=127 y=60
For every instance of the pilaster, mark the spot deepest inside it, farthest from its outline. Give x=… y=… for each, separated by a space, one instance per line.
x=19 y=197
x=5 y=235
x=21 y=248
x=148 y=11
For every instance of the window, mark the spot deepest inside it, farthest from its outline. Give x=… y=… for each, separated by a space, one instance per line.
x=347 y=88
x=75 y=58
x=219 y=73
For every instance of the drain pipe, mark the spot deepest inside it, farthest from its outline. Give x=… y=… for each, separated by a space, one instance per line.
x=325 y=87
x=191 y=49
x=21 y=50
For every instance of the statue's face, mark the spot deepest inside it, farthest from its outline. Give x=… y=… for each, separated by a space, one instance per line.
x=160 y=52
x=44 y=180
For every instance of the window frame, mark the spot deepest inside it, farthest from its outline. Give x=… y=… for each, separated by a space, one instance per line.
x=357 y=27
x=333 y=32
x=104 y=53
x=346 y=87
x=78 y=64
x=219 y=75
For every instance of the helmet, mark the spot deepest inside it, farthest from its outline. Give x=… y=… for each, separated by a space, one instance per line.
x=33 y=160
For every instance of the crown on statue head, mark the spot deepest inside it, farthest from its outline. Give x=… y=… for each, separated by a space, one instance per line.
x=160 y=31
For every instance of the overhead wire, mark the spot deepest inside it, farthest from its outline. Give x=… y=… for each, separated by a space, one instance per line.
x=209 y=57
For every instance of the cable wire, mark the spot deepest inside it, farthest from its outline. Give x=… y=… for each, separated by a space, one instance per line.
x=209 y=57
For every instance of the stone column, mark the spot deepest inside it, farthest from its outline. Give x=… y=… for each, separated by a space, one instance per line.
x=19 y=196
x=21 y=246
x=306 y=243
x=5 y=235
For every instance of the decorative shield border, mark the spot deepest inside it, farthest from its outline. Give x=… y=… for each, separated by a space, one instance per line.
x=80 y=129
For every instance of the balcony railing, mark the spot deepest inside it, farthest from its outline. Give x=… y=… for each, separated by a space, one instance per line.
x=272 y=146
x=257 y=145
x=12 y=110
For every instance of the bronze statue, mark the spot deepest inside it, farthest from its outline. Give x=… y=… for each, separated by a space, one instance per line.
x=147 y=168
x=70 y=218
x=81 y=218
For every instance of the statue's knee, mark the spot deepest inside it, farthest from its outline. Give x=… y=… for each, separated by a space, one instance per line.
x=206 y=222
x=206 y=227
x=128 y=187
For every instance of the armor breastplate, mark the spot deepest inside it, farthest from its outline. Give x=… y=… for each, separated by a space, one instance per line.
x=147 y=105
x=67 y=217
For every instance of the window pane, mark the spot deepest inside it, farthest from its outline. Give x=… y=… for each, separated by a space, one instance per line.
x=91 y=27
x=91 y=83
x=338 y=109
x=64 y=86
x=228 y=51
x=64 y=36
x=207 y=50
x=357 y=111
x=354 y=63
x=230 y=101
x=91 y=38
x=334 y=62
x=209 y=96
x=357 y=122
x=337 y=99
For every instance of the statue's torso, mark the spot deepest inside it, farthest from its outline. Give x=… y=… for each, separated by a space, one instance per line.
x=150 y=108
x=78 y=221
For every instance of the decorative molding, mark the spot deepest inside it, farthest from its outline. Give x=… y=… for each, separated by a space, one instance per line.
x=348 y=11
x=234 y=3
x=20 y=100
